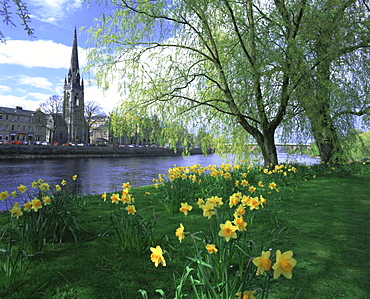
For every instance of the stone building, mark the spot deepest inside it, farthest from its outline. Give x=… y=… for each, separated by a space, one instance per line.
x=22 y=126
x=74 y=102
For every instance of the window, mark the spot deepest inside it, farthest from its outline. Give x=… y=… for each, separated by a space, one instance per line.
x=1 y=137
x=1 y=116
x=24 y=128
x=7 y=117
x=1 y=127
x=12 y=127
x=18 y=127
x=7 y=128
x=14 y=118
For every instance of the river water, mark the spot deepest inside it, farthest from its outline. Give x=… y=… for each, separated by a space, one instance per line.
x=96 y=175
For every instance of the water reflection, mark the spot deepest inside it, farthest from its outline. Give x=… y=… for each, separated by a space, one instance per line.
x=96 y=175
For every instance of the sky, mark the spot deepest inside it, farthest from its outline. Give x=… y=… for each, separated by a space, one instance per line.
x=32 y=69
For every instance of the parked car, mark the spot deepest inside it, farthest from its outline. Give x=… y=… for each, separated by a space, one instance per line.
x=45 y=143
x=56 y=143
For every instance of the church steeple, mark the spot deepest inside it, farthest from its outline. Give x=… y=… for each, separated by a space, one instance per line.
x=74 y=69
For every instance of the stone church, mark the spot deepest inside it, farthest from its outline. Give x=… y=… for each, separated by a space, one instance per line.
x=71 y=125
x=73 y=102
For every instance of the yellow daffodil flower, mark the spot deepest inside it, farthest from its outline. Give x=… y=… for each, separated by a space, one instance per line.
x=228 y=231
x=208 y=210
x=126 y=185
x=34 y=184
x=263 y=262
x=36 y=204
x=180 y=233
x=240 y=223
x=284 y=264
x=57 y=188
x=131 y=209
x=115 y=198
x=211 y=248
x=46 y=200
x=74 y=177
x=4 y=195
x=104 y=196
x=44 y=186
x=246 y=295
x=185 y=208
x=63 y=183
x=272 y=185
x=16 y=211
x=22 y=188
x=157 y=256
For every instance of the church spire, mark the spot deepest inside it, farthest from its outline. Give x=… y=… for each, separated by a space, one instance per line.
x=74 y=57
x=74 y=69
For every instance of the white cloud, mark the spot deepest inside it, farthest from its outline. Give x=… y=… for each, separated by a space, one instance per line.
x=54 y=11
x=13 y=101
x=38 y=82
x=4 y=88
x=40 y=53
x=108 y=100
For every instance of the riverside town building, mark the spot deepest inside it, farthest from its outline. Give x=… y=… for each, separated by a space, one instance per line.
x=22 y=126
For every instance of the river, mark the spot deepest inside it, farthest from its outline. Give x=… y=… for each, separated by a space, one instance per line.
x=96 y=175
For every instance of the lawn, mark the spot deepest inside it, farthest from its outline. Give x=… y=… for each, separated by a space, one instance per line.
x=323 y=220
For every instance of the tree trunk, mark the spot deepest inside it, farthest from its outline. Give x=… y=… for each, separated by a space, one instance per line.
x=266 y=143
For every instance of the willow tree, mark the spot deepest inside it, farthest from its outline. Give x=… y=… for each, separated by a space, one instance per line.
x=334 y=86
x=231 y=63
x=21 y=11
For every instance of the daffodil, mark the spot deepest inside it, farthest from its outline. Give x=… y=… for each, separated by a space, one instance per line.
x=211 y=248
x=131 y=209
x=200 y=202
x=185 y=208
x=13 y=194
x=240 y=223
x=180 y=232
x=36 y=204
x=157 y=256
x=16 y=211
x=46 y=200
x=104 y=196
x=74 y=177
x=263 y=262
x=34 y=184
x=63 y=183
x=252 y=189
x=272 y=185
x=4 y=195
x=27 y=206
x=44 y=186
x=57 y=188
x=208 y=210
x=284 y=264
x=22 y=188
x=126 y=185
x=228 y=231
x=115 y=198
x=246 y=295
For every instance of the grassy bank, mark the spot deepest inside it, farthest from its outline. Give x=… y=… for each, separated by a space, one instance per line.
x=321 y=214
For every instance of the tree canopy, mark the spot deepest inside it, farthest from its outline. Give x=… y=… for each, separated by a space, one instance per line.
x=221 y=65
x=7 y=15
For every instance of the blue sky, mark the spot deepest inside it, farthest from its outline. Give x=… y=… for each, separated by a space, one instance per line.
x=33 y=69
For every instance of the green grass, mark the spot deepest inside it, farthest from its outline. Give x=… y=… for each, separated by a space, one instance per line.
x=325 y=221
x=328 y=228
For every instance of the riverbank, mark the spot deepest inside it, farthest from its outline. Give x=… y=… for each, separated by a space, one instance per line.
x=15 y=151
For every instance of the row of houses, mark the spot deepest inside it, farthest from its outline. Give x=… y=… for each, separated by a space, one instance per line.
x=21 y=125
x=26 y=126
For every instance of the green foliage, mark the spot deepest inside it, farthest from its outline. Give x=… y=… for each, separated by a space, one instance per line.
x=21 y=11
